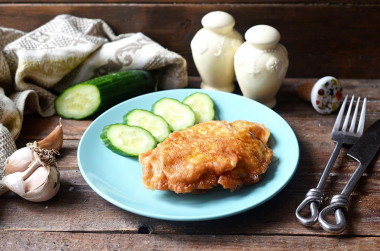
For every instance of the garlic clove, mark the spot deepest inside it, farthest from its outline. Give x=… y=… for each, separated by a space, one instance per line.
x=54 y=140
x=36 y=179
x=18 y=161
x=45 y=186
x=15 y=183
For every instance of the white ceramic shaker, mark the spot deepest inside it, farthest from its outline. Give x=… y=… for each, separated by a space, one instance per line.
x=213 y=48
x=261 y=64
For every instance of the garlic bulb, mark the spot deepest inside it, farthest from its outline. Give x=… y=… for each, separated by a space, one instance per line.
x=39 y=182
x=31 y=171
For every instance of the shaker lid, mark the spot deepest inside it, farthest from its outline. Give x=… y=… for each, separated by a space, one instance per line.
x=218 y=21
x=263 y=35
x=326 y=95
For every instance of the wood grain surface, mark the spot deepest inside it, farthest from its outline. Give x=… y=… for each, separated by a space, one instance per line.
x=77 y=218
x=338 y=38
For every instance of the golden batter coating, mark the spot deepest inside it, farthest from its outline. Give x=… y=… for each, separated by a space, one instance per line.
x=208 y=154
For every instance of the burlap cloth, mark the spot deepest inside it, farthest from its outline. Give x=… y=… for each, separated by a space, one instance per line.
x=65 y=51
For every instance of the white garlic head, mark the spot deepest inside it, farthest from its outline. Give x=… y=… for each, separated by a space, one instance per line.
x=34 y=179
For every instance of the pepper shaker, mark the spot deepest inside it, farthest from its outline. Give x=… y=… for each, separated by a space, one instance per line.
x=213 y=48
x=261 y=64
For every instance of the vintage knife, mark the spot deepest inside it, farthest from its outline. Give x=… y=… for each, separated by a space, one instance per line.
x=363 y=151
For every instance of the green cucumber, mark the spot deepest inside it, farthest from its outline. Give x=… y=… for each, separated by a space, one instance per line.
x=155 y=124
x=127 y=140
x=178 y=115
x=202 y=105
x=88 y=98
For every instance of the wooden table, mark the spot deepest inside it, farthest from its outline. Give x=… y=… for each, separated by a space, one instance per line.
x=79 y=219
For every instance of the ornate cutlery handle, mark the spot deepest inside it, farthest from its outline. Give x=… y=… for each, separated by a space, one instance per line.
x=338 y=204
x=314 y=197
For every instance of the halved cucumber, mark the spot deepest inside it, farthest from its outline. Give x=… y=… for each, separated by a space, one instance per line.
x=78 y=101
x=127 y=140
x=202 y=105
x=155 y=124
x=178 y=115
x=93 y=96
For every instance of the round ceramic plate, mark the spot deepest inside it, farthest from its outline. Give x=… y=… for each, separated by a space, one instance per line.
x=118 y=179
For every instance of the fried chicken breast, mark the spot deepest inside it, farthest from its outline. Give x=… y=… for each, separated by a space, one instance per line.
x=207 y=154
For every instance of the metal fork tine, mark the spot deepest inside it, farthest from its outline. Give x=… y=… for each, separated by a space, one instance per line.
x=362 y=118
x=353 y=121
x=348 y=115
x=340 y=115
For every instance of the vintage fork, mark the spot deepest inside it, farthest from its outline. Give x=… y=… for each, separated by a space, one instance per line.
x=314 y=196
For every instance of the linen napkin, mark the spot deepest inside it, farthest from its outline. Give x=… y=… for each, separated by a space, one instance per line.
x=35 y=66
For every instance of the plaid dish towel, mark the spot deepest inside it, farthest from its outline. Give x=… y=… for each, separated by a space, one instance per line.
x=69 y=50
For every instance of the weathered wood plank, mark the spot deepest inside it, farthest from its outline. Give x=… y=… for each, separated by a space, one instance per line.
x=78 y=208
x=21 y=240
x=318 y=42
x=341 y=2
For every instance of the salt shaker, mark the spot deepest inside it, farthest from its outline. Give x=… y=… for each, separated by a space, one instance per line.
x=261 y=64
x=213 y=48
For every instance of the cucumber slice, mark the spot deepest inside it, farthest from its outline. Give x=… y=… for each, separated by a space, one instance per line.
x=127 y=140
x=178 y=115
x=155 y=124
x=202 y=105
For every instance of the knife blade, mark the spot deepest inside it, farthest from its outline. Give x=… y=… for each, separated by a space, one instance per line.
x=365 y=149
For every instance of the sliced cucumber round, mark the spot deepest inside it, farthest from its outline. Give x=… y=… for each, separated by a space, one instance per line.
x=127 y=140
x=155 y=124
x=178 y=115
x=202 y=105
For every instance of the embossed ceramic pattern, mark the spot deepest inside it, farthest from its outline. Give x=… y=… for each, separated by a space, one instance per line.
x=213 y=48
x=261 y=64
x=118 y=179
x=326 y=95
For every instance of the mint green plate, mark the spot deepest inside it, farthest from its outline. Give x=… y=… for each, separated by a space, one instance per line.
x=118 y=179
